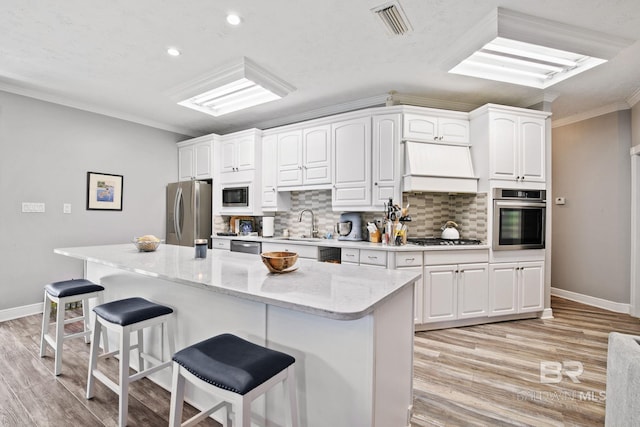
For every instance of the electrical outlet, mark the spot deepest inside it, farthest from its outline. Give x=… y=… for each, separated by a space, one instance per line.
x=560 y=201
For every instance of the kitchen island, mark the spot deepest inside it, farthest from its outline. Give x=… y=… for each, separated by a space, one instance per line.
x=350 y=328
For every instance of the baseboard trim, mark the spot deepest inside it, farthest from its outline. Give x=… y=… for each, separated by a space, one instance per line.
x=17 y=312
x=547 y=313
x=617 y=307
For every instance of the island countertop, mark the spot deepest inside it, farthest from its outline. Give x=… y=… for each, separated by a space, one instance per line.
x=342 y=292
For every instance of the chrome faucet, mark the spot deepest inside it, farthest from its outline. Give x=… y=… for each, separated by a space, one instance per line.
x=313 y=232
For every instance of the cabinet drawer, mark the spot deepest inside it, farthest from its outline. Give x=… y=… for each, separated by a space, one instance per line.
x=455 y=256
x=303 y=251
x=409 y=259
x=221 y=244
x=369 y=257
x=350 y=255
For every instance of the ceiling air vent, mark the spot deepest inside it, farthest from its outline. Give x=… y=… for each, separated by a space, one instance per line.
x=393 y=17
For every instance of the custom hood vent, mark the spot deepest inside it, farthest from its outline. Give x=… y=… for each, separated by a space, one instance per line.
x=393 y=18
x=438 y=168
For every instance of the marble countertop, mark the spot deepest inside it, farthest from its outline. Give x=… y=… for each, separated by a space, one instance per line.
x=336 y=291
x=352 y=244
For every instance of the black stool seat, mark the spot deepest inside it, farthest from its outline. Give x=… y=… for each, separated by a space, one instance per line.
x=231 y=363
x=68 y=288
x=131 y=310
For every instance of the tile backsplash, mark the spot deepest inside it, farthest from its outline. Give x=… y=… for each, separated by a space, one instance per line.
x=429 y=211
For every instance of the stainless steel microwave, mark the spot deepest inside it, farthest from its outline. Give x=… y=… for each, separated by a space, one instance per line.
x=518 y=219
x=235 y=197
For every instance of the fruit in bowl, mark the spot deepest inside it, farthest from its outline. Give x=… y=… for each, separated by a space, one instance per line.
x=279 y=262
x=146 y=243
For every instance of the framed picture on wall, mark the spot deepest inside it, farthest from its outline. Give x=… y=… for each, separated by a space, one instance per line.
x=104 y=191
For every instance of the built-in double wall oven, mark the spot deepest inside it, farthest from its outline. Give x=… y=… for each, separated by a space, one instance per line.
x=518 y=219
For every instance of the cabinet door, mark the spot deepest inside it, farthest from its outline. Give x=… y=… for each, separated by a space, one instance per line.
x=440 y=293
x=503 y=129
x=269 y=172
x=386 y=167
x=503 y=289
x=453 y=130
x=186 y=156
x=202 y=161
x=420 y=128
x=316 y=155
x=228 y=153
x=532 y=149
x=352 y=162
x=531 y=286
x=473 y=289
x=290 y=159
x=245 y=149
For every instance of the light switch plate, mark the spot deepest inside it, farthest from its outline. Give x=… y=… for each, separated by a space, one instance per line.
x=66 y=208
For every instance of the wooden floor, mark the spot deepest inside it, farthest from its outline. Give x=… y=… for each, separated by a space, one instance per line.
x=487 y=375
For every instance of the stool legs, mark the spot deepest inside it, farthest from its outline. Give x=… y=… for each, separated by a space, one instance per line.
x=46 y=314
x=125 y=353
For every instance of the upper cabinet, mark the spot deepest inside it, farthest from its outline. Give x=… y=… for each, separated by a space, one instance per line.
x=195 y=160
x=387 y=164
x=512 y=143
x=434 y=128
x=351 y=163
x=237 y=152
x=272 y=199
x=304 y=158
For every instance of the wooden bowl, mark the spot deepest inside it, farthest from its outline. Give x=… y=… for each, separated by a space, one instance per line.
x=277 y=262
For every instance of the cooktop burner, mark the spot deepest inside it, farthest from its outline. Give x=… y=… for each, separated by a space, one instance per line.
x=436 y=241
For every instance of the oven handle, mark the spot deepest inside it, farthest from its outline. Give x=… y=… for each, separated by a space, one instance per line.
x=517 y=204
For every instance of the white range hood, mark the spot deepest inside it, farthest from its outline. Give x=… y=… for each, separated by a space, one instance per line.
x=438 y=168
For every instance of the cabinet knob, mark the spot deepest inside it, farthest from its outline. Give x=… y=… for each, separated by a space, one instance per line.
x=375 y=183
x=273 y=189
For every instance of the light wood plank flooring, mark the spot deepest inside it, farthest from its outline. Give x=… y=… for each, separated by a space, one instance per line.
x=487 y=375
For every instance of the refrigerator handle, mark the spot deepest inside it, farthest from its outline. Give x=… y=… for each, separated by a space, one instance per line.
x=177 y=214
x=196 y=209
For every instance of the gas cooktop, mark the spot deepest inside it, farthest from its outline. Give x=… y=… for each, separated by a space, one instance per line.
x=436 y=241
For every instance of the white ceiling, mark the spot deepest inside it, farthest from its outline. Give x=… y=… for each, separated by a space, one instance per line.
x=110 y=56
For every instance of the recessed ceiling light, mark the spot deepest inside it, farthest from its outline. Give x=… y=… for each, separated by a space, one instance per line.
x=233 y=19
x=530 y=51
x=173 y=51
x=235 y=87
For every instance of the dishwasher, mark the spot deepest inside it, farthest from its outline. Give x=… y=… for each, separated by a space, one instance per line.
x=246 y=247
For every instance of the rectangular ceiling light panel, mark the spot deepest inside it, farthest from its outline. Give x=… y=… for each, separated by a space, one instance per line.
x=522 y=49
x=523 y=63
x=239 y=86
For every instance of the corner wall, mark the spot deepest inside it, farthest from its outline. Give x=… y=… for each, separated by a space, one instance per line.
x=590 y=233
x=46 y=151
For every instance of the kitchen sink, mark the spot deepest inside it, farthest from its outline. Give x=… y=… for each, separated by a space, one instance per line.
x=300 y=239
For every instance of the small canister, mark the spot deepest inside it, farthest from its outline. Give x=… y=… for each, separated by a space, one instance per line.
x=201 y=248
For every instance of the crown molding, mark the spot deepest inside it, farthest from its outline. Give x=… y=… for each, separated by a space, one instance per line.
x=634 y=98
x=596 y=112
x=422 y=101
x=68 y=102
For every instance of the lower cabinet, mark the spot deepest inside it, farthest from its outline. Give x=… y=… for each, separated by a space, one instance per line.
x=516 y=287
x=303 y=251
x=455 y=291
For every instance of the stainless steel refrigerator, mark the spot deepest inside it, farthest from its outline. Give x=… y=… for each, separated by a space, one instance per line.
x=188 y=212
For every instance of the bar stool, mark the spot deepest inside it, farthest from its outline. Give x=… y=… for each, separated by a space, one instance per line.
x=234 y=370
x=124 y=317
x=63 y=293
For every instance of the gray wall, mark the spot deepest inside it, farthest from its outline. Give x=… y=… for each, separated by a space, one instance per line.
x=591 y=242
x=635 y=125
x=46 y=151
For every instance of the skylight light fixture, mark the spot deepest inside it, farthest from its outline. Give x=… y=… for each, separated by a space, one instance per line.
x=235 y=87
x=521 y=49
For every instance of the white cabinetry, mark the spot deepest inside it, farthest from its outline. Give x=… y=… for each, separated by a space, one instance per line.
x=386 y=171
x=304 y=158
x=455 y=291
x=351 y=154
x=512 y=143
x=195 y=158
x=427 y=128
x=303 y=251
x=272 y=200
x=237 y=153
x=516 y=287
x=412 y=261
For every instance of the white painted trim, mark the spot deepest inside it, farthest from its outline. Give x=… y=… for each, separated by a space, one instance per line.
x=634 y=273
x=634 y=98
x=617 y=307
x=547 y=314
x=17 y=312
x=596 y=112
